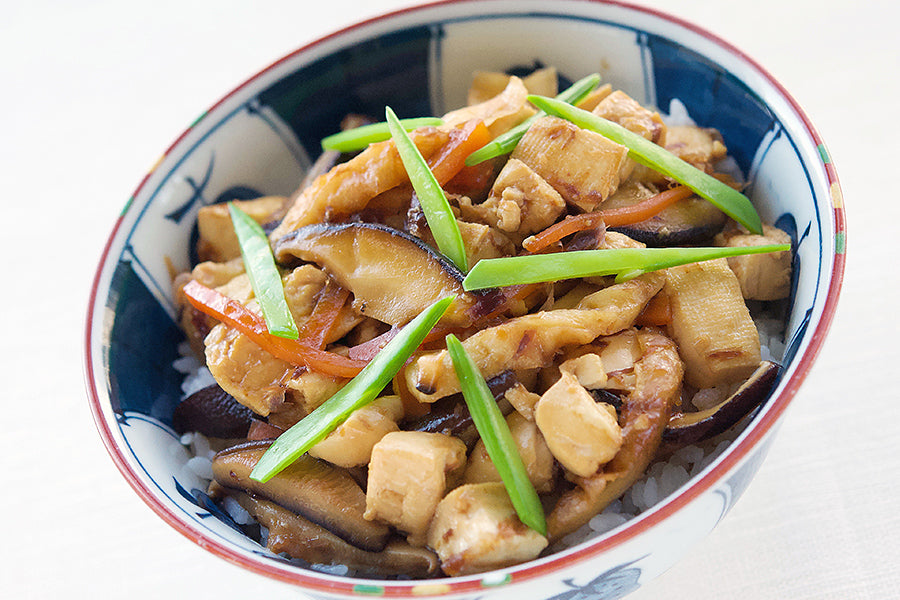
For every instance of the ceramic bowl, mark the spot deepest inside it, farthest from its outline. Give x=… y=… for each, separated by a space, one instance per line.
x=261 y=138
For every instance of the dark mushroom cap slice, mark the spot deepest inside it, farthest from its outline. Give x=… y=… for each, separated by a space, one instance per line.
x=300 y=538
x=213 y=412
x=393 y=275
x=689 y=428
x=324 y=494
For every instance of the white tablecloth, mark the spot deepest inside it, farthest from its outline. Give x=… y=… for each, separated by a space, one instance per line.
x=92 y=92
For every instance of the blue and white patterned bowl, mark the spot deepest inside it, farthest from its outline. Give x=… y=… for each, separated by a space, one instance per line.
x=261 y=138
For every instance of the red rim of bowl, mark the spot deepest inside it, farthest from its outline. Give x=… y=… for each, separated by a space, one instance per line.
x=520 y=573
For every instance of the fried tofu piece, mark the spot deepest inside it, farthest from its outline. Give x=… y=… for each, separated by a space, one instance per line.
x=500 y=113
x=218 y=242
x=476 y=529
x=520 y=203
x=351 y=444
x=533 y=450
x=483 y=241
x=350 y=186
x=583 y=166
x=487 y=84
x=716 y=336
x=697 y=145
x=409 y=473
x=582 y=434
x=621 y=108
x=762 y=276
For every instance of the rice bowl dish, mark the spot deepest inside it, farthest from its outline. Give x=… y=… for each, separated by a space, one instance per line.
x=679 y=470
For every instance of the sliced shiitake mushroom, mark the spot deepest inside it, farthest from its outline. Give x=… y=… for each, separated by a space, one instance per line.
x=299 y=537
x=324 y=494
x=692 y=220
x=689 y=428
x=393 y=275
x=213 y=412
x=450 y=415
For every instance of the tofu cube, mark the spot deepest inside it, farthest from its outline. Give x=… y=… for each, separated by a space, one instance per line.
x=583 y=166
x=582 y=434
x=408 y=475
x=476 y=529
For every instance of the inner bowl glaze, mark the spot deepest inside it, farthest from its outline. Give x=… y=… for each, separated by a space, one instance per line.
x=262 y=137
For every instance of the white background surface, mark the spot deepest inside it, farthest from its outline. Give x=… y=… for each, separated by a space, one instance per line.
x=94 y=91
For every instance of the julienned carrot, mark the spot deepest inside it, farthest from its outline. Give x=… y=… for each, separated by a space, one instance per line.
x=558 y=231
x=643 y=210
x=615 y=217
x=464 y=140
x=236 y=315
x=325 y=315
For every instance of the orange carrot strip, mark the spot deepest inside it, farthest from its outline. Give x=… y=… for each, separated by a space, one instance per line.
x=472 y=181
x=464 y=140
x=557 y=231
x=615 y=217
x=325 y=315
x=236 y=315
x=643 y=210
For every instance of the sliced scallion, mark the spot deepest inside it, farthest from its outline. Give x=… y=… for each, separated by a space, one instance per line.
x=727 y=199
x=506 y=142
x=360 y=137
x=264 y=276
x=498 y=440
x=361 y=390
x=625 y=263
x=431 y=197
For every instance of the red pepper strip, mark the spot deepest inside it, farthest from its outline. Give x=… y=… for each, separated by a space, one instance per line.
x=464 y=140
x=325 y=315
x=616 y=217
x=236 y=315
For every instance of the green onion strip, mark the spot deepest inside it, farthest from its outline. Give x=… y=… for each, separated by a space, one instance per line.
x=625 y=263
x=264 y=276
x=498 y=440
x=434 y=203
x=506 y=142
x=724 y=197
x=360 y=137
x=361 y=390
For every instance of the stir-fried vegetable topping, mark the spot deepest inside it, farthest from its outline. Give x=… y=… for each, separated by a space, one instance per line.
x=364 y=388
x=431 y=197
x=585 y=374
x=505 y=143
x=360 y=137
x=264 y=277
x=625 y=263
x=498 y=440
x=727 y=199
